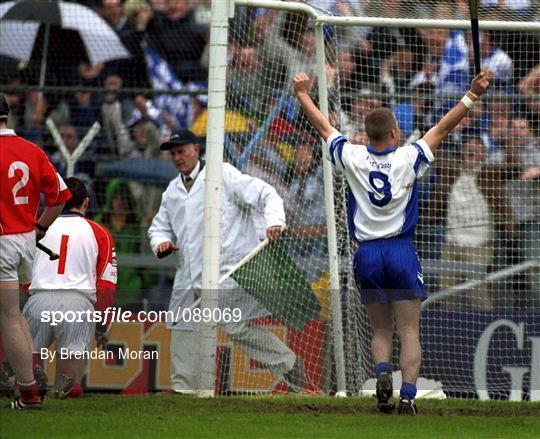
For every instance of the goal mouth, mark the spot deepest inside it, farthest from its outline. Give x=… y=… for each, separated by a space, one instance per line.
x=416 y=60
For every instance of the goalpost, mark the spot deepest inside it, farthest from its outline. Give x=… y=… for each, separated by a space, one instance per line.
x=253 y=115
x=212 y=196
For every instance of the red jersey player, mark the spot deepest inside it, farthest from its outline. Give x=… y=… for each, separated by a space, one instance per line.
x=25 y=173
x=82 y=280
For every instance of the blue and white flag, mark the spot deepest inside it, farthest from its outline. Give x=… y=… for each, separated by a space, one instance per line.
x=162 y=77
x=453 y=76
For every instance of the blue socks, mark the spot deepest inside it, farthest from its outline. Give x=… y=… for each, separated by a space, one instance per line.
x=408 y=391
x=383 y=368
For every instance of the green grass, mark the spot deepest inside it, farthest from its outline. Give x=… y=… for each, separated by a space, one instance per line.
x=111 y=416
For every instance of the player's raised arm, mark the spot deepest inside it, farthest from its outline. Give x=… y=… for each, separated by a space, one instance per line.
x=438 y=133
x=318 y=120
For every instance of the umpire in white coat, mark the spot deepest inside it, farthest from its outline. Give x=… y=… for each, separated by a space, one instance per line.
x=178 y=227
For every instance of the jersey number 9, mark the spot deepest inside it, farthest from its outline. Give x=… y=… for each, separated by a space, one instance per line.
x=383 y=194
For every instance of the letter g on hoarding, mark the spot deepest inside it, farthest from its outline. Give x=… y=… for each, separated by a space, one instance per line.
x=516 y=373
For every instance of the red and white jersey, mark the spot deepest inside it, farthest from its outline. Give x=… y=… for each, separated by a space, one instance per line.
x=87 y=262
x=25 y=172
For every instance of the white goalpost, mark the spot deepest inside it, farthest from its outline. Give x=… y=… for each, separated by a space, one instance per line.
x=359 y=62
x=212 y=198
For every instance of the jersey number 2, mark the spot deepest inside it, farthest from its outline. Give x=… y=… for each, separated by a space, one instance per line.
x=383 y=193
x=21 y=166
x=63 y=254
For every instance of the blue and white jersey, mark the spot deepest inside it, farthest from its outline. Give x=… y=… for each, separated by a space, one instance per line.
x=383 y=195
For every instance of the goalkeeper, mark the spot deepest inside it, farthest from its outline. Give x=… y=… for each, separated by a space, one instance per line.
x=246 y=201
x=82 y=280
x=382 y=217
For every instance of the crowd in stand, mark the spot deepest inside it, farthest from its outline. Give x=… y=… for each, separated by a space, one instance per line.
x=485 y=187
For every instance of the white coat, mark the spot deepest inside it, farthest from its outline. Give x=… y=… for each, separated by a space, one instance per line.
x=245 y=202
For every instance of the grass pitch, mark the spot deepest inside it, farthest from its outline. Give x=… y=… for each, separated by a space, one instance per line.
x=115 y=416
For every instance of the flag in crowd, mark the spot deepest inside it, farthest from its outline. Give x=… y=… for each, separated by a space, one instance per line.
x=163 y=78
x=454 y=76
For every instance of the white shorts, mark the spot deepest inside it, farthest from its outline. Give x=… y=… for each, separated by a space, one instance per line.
x=72 y=335
x=17 y=252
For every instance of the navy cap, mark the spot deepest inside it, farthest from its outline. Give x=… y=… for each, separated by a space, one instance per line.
x=181 y=137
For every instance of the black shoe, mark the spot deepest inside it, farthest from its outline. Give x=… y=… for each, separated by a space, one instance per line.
x=64 y=388
x=407 y=407
x=296 y=377
x=18 y=404
x=384 y=391
x=42 y=381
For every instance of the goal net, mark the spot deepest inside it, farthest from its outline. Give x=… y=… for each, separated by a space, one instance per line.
x=477 y=235
x=303 y=327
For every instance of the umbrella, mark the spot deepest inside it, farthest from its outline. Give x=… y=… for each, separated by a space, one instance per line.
x=148 y=171
x=20 y=23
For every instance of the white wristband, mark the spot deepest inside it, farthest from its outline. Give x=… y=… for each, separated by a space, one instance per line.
x=467 y=101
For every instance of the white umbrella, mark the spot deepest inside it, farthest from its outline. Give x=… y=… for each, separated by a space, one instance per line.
x=20 y=23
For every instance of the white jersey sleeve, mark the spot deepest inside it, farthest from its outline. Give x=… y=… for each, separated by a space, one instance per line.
x=420 y=156
x=339 y=150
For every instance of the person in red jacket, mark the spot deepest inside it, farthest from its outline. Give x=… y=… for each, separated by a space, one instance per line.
x=65 y=293
x=25 y=174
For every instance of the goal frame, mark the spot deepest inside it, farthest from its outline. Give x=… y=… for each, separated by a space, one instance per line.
x=222 y=10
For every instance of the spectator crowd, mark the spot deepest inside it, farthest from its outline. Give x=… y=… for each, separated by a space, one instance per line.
x=480 y=203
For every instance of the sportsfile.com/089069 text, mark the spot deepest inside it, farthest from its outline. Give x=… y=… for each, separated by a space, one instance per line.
x=113 y=314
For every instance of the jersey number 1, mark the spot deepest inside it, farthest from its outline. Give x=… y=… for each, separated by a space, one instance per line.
x=383 y=194
x=63 y=254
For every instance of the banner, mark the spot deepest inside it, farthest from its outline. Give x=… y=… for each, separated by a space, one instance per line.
x=485 y=354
